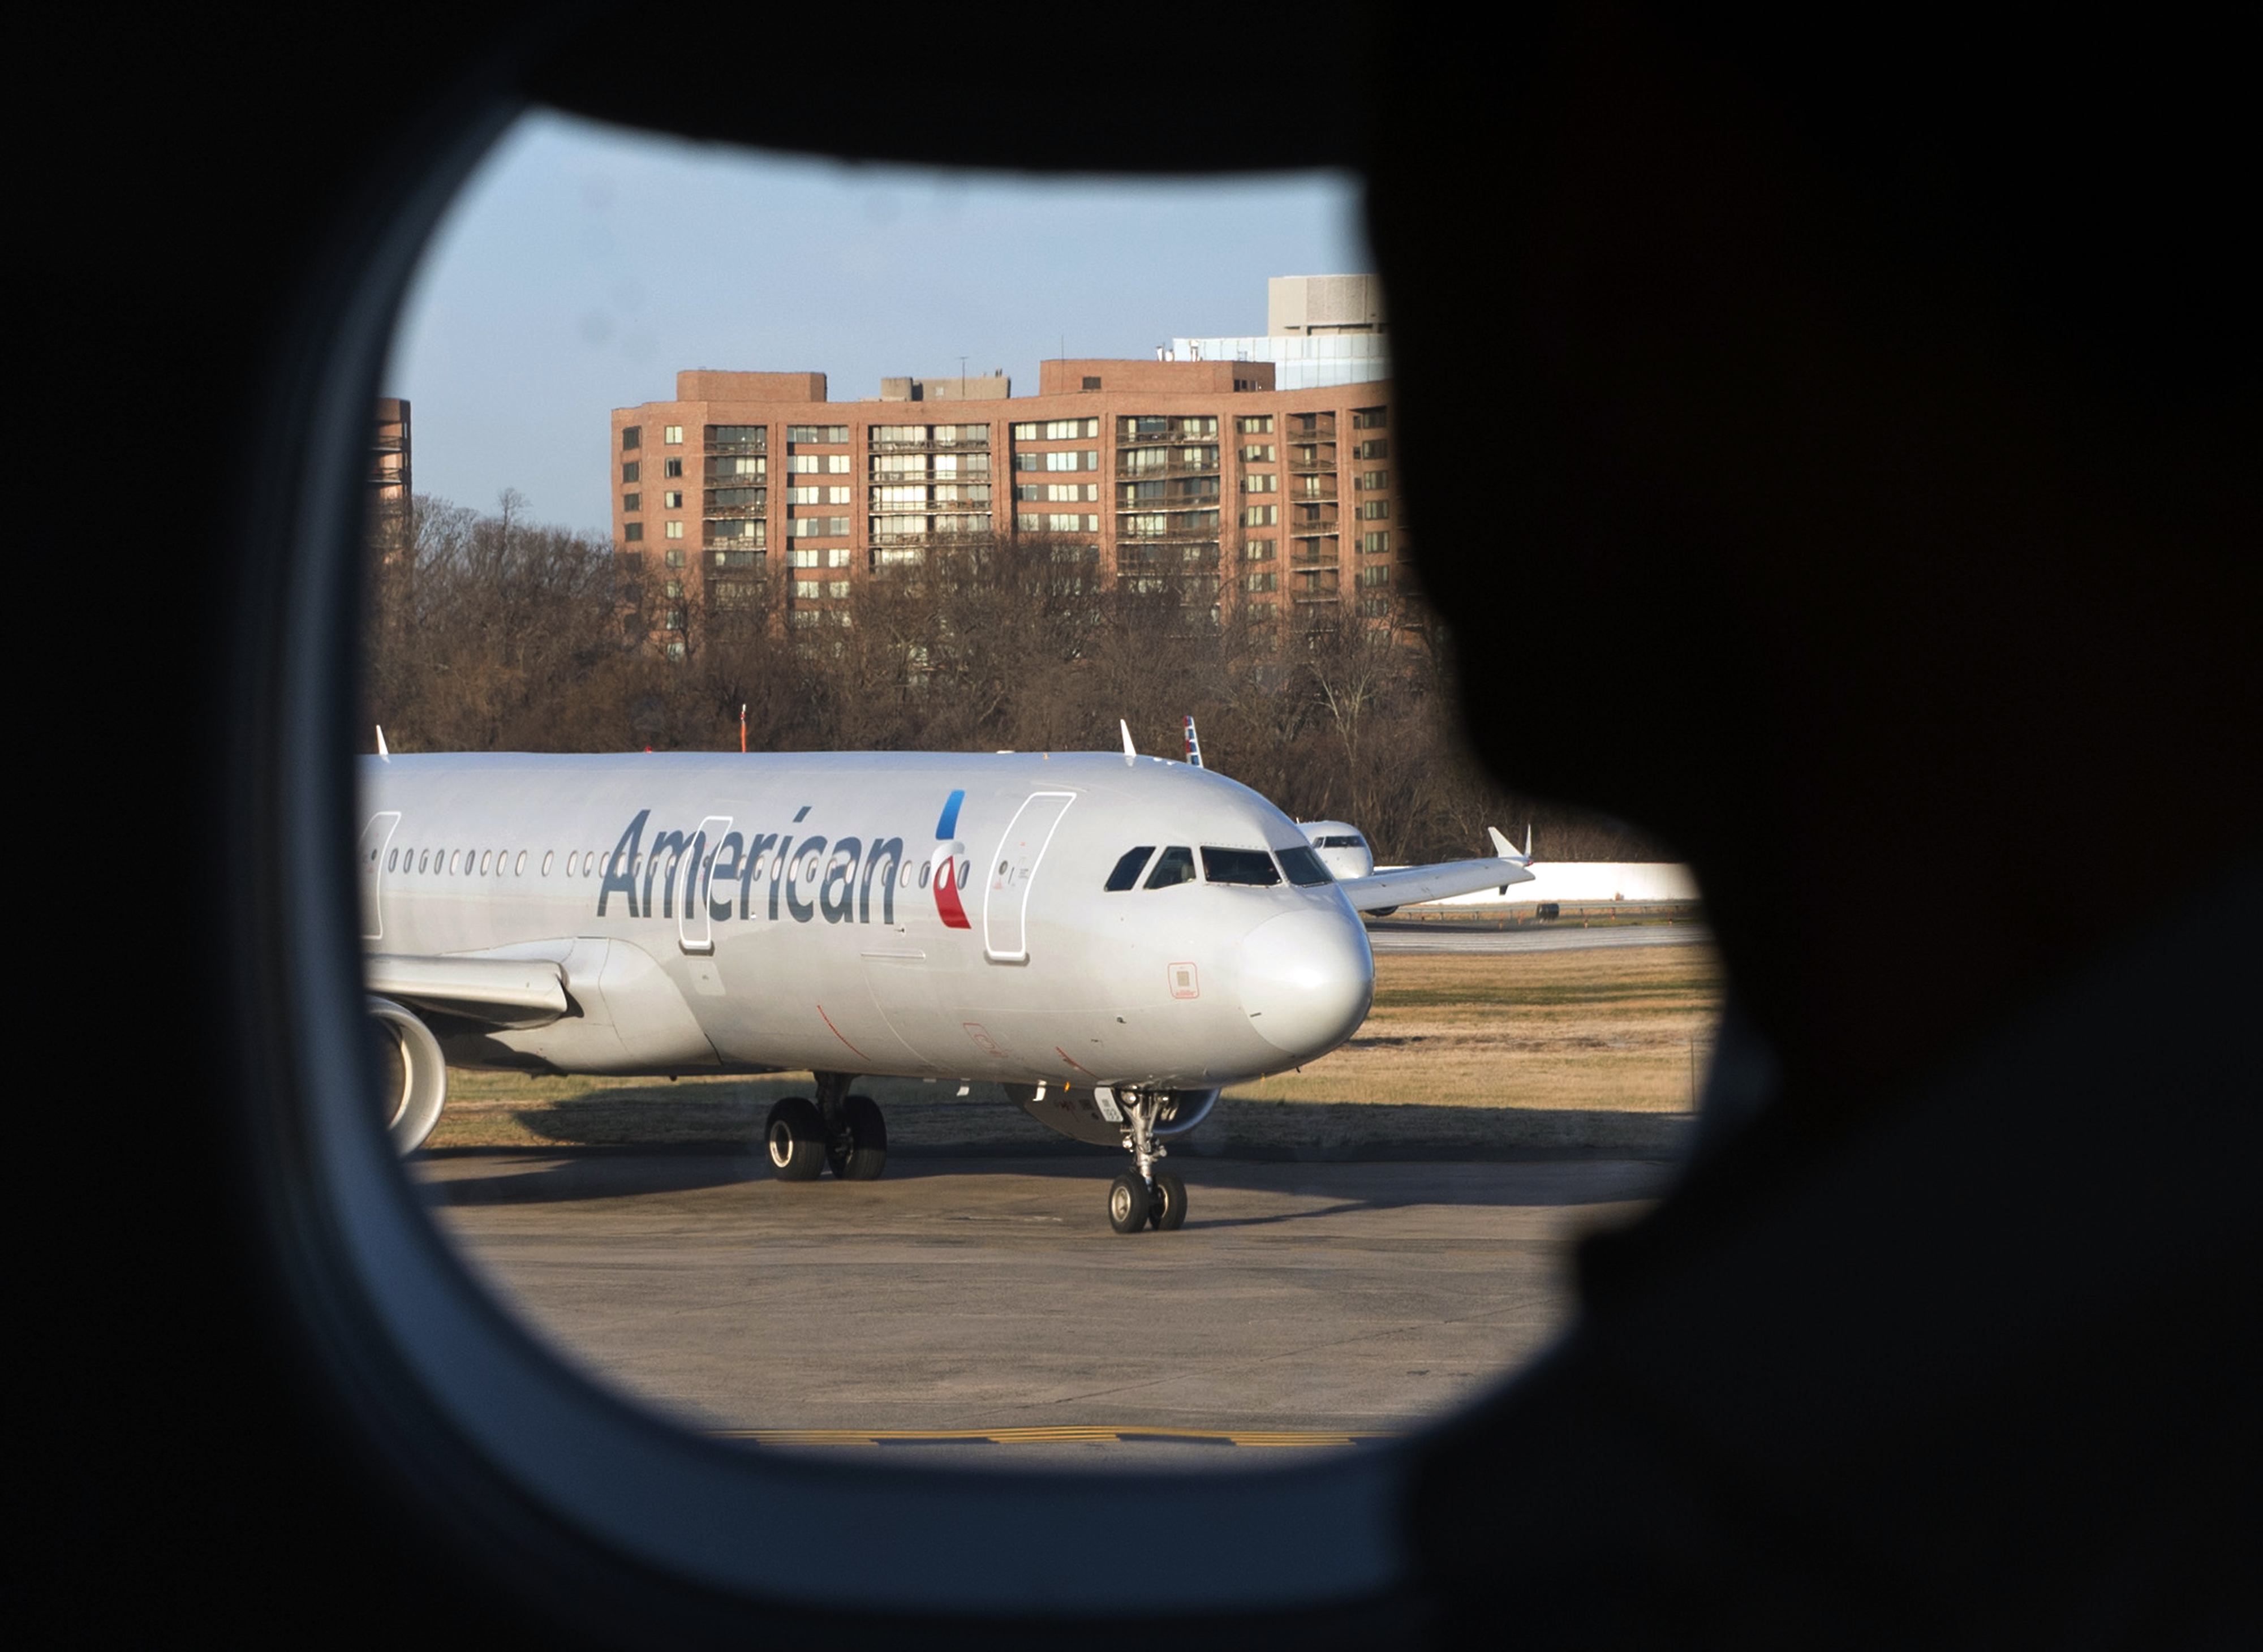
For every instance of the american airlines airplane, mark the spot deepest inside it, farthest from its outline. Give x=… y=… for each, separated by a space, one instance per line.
x=1110 y=939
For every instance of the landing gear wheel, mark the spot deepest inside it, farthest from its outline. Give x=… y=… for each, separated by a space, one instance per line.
x=1168 y=1209
x=1127 y=1203
x=867 y=1154
x=795 y=1137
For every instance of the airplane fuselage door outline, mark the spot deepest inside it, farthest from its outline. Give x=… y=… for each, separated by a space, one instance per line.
x=376 y=838
x=1013 y=869
x=695 y=931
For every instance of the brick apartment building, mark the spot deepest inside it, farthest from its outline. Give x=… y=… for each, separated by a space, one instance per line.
x=1278 y=499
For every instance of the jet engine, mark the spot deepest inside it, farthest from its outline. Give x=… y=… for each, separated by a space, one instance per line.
x=412 y=1079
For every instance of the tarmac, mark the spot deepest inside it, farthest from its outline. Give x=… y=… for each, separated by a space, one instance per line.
x=982 y=1310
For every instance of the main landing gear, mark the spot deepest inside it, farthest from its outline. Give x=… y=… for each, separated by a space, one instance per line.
x=1145 y=1196
x=838 y=1130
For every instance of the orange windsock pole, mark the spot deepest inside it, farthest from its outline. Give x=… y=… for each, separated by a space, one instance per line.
x=743 y=728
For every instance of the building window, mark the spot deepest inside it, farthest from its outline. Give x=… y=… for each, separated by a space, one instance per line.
x=1258 y=453
x=1373 y=479
x=1029 y=492
x=1255 y=425
x=671 y=501
x=738 y=436
x=804 y=495
x=675 y=557
x=1375 y=544
x=836 y=496
x=802 y=464
x=1374 y=509
x=1063 y=492
x=674 y=589
x=1370 y=418
x=1259 y=550
x=1091 y=381
x=1259 y=516
x=671 y=467
x=632 y=437
x=838 y=555
x=633 y=531
x=672 y=434
x=1086 y=459
x=1264 y=481
x=836 y=587
x=1374 y=447
x=675 y=650
x=673 y=531
x=1379 y=574
x=817 y=527
x=632 y=501
x=630 y=471
x=1266 y=580
x=830 y=435
x=808 y=590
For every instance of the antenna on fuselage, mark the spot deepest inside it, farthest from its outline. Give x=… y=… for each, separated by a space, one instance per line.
x=381 y=752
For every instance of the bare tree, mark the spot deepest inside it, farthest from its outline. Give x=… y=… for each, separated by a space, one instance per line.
x=493 y=631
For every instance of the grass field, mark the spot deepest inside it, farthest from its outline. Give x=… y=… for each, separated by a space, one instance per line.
x=1463 y=1052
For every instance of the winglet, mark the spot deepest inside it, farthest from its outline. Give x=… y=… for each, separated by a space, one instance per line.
x=1129 y=750
x=381 y=752
x=1507 y=850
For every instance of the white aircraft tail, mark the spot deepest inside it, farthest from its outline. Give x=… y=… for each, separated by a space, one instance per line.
x=381 y=752
x=1129 y=750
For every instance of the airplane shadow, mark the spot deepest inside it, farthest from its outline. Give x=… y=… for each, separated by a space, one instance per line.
x=537 y=1175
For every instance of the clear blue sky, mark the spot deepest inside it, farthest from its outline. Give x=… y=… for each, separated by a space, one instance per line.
x=583 y=264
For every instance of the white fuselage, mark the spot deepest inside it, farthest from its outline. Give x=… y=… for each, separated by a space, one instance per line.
x=754 y=912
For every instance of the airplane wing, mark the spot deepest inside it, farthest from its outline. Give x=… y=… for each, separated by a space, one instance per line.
x=502 y=992
x=1404 y=885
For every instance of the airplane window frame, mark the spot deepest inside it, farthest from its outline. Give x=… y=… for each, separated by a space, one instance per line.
x=488 y=1423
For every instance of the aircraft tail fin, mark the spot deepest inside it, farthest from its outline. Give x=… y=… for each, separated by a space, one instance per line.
x=1129 y=750
x=382 y=750
x=1194 y=745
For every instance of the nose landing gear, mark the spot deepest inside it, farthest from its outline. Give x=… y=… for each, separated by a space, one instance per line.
x=1145 y=1196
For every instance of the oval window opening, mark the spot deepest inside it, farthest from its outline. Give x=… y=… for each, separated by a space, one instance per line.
x=932 y=583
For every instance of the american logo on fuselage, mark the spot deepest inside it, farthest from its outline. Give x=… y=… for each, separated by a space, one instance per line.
x=777 y=875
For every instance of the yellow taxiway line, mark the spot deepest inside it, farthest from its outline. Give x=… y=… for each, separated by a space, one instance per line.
x=1066 y=1433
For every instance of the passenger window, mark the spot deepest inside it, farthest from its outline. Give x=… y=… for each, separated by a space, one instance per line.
x=1238 y=866
x=1126 y=874
x=1303 y=868
x=1175 y=864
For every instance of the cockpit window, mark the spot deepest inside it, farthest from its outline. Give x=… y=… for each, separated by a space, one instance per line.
x=1352 y=842
x=1238 y=866
x=1127 y=870
x=1304 y=867
x=1175 y=864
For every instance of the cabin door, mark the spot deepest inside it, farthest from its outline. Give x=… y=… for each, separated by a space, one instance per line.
x=1006 y=895
x=376 y=843
x=694 y=931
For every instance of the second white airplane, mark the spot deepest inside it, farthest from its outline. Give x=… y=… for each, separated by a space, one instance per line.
x=1111 y=938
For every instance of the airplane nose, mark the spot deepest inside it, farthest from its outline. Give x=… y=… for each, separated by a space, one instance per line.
x=1307 y=979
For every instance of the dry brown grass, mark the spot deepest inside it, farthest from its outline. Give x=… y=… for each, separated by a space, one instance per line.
x=1598 y=1048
